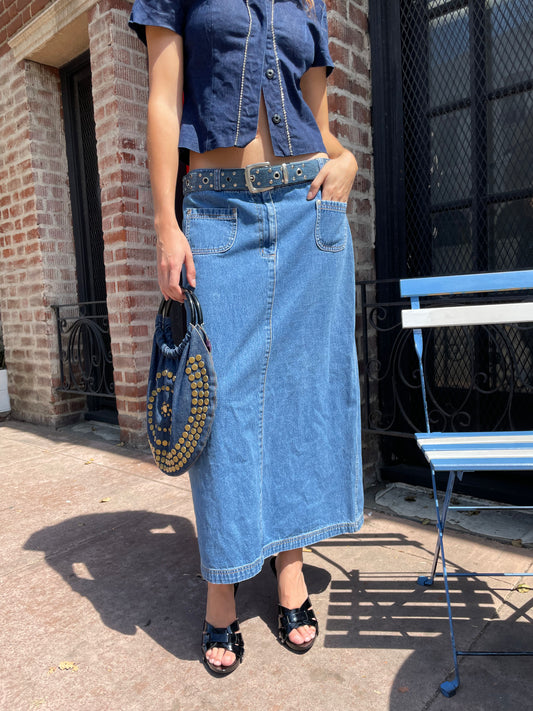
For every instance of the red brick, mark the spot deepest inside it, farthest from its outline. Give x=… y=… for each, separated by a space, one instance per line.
x=358 y=17
x=340 y=55
x=339 y=104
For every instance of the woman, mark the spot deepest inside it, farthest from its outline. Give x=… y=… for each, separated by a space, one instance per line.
x=266 y=240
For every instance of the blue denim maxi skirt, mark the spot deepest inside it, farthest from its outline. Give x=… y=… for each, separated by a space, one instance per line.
x=282 y=468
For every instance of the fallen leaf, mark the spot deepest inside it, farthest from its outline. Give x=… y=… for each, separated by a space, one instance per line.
x=409 y=498
x=517 y=543
x=51 y=670
x=89 y=461
x=121 y=444
x=425 y=522
x=403 y=689
x=522 y=588
x=105 y=499
x=308 y=550
x=64 y=666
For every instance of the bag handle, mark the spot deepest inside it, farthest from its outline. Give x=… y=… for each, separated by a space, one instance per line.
x=197 y=316
x=193 y=299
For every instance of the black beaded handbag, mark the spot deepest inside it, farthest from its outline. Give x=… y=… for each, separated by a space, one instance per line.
x=182 y=384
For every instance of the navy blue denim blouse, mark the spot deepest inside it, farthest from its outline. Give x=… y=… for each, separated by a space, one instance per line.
x=233 y=51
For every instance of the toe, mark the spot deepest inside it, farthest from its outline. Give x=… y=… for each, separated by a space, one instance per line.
x=302 y=635
x=296 y=637
x=228 y=659
x=214 y=656
x=218 y=656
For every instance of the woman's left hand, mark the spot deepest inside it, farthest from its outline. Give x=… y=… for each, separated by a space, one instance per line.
x=336 y=178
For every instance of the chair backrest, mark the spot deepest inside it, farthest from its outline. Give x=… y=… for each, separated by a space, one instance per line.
x=418 y=317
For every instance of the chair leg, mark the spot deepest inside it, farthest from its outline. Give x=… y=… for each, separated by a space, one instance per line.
x=441 y=520
x=448 y=688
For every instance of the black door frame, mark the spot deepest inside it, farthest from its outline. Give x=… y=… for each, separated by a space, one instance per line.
x=87 y=221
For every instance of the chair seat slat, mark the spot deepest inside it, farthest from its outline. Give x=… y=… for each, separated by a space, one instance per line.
x=444 y=446
x=475 y=437
x=464 y=455
x=457 y=452
x=462 y=464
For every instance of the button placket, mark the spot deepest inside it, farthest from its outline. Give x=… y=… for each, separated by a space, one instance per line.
x=272 y=88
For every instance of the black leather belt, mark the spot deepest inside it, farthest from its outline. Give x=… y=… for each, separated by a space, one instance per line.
x=256 y=178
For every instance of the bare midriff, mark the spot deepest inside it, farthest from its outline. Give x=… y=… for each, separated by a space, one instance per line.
x=259 y=150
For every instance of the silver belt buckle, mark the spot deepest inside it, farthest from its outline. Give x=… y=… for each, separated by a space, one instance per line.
x=249 y=178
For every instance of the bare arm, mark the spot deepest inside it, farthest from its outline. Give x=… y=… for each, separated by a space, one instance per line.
x=165 y=57
x=337 y=176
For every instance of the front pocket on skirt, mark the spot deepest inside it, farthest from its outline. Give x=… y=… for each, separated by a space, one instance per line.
x=331 y=229
x=210 y=230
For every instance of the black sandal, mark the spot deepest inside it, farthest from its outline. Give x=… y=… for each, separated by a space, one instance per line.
x=291 y=619
x=228 y=638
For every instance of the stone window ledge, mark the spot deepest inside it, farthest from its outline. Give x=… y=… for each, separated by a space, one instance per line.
x=56 y=35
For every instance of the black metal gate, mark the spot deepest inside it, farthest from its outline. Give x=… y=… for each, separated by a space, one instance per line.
x=453 y=140
x=83 y=328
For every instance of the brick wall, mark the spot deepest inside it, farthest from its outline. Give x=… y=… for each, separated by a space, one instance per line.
x=120 y=94
x=37 y=263
x=350 y=103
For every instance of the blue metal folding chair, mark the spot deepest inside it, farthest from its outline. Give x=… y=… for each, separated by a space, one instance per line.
x=457 y=453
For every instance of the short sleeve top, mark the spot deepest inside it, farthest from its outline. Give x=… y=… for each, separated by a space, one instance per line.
x=234 y=50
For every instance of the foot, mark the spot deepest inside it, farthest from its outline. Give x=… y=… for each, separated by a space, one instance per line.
x=220 y=612
x=292 y=591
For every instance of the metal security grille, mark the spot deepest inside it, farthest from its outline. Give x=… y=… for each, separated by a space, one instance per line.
x=467 y=80
x=83 y=329
x=453 y=146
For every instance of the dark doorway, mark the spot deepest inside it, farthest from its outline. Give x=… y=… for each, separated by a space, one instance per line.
x=88 y=236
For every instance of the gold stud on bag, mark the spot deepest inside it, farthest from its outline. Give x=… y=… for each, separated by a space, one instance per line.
x=181 y=395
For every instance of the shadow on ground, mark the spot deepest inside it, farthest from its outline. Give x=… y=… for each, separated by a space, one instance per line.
x=140 y=570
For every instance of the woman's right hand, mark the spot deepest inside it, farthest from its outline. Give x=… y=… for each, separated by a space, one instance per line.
x=173 y=251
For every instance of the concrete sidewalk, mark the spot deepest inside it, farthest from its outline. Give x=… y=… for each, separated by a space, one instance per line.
x=103 y=603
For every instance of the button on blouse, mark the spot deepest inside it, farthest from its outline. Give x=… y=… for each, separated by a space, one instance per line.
x=236 y=50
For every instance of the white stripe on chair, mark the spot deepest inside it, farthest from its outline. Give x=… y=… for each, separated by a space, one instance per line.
x=468 y=315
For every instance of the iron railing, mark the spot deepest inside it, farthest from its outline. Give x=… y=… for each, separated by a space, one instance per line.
x=484 y=385
x=85 y=360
